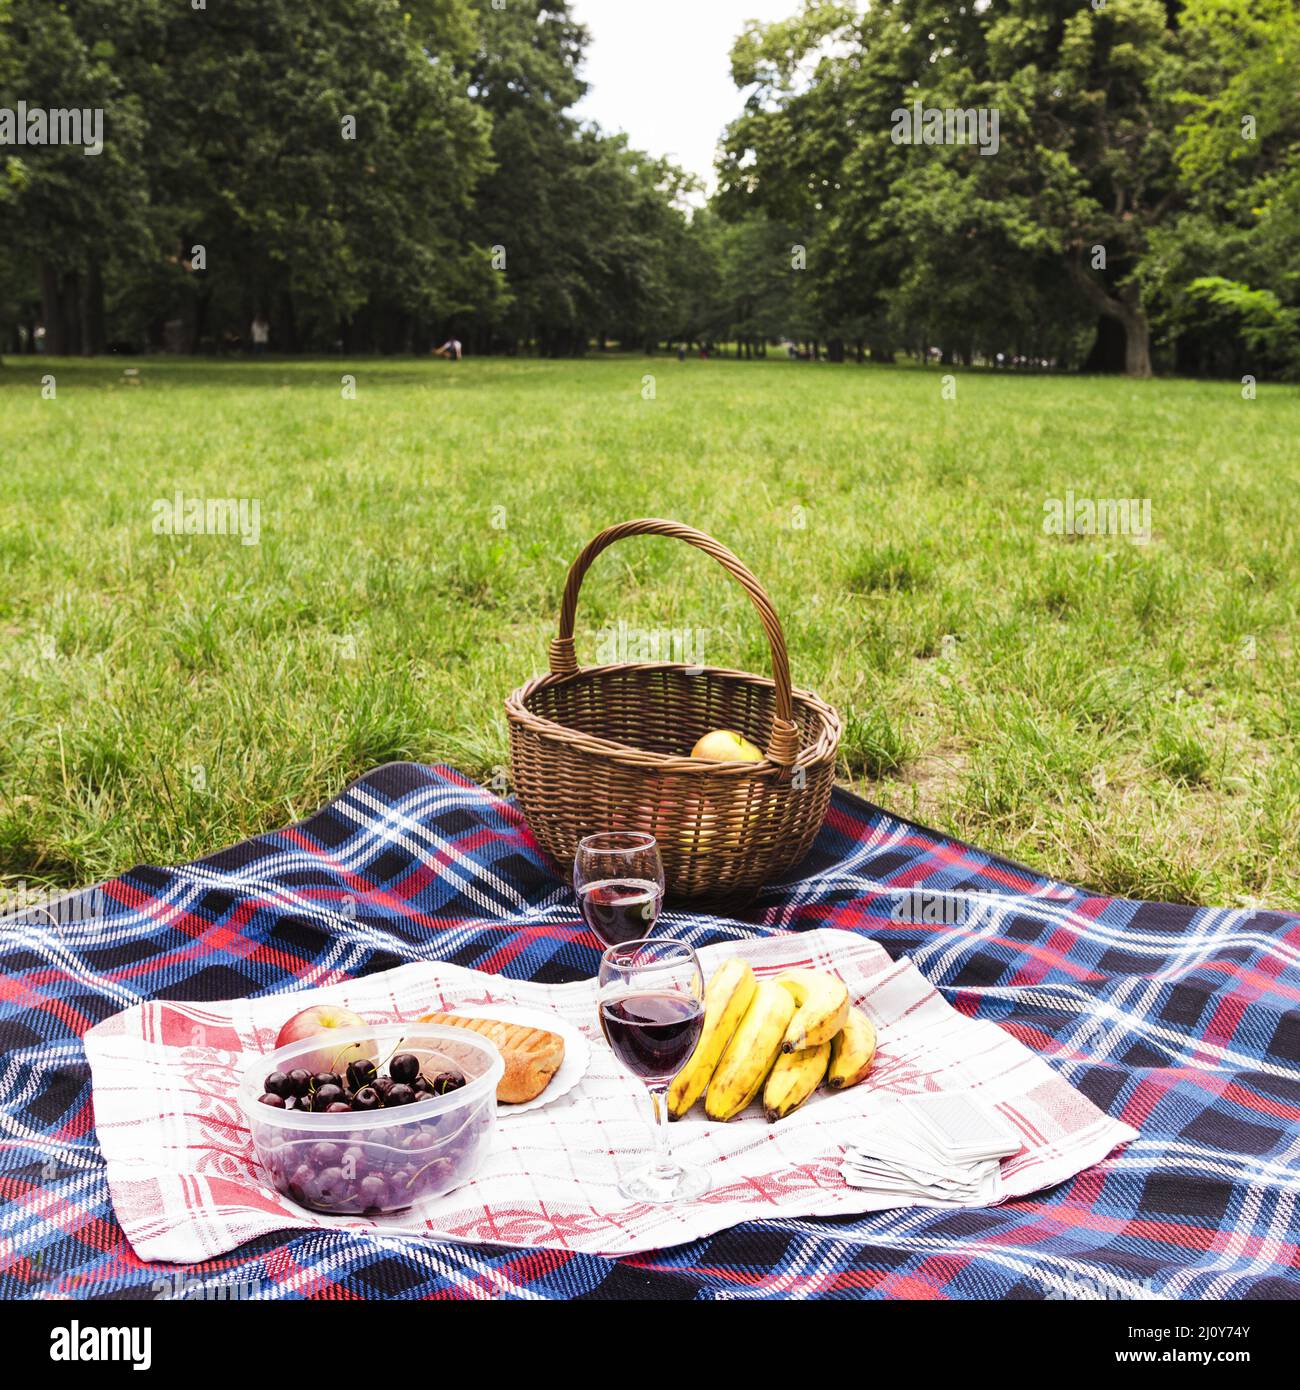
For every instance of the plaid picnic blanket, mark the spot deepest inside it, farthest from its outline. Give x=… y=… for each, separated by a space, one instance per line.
x=1181 y=1022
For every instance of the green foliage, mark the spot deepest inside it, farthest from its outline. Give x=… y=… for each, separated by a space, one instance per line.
x=1113 y=130
x=348 y=167
x=933 y=236
x=1265 y=321
x=1148 y=157
x=1238 y=152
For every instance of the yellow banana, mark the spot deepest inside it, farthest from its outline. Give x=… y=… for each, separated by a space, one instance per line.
x=823 y=1005
x=728 y=994
x=852 y=1052
x=748 y=1058
x=793 y=1079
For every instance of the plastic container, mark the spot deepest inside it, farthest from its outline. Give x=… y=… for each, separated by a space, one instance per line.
x=376 y=1161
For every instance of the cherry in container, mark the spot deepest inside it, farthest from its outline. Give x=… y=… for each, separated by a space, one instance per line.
x=355 y=1161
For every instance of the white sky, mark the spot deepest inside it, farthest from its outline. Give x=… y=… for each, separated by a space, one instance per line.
x=661 y=71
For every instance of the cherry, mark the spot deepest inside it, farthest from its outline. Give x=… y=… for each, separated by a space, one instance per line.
x=277 y=1084
x=270 y=1099
x=299 y=1082
x=329 y=1187
x=300 y=1181
x=326 y=1096
x=400 y=1095
x=367 y=1098
x=360 y=1074
x=373 y=1193
x=355 y=1163
x=404 y=1068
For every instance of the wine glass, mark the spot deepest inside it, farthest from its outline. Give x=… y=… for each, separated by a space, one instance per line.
x=651 y=1001
x=619 y=879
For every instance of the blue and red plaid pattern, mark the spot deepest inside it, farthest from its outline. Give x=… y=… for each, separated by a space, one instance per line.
x=1183 y=1022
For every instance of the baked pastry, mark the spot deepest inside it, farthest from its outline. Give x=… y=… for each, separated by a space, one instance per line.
x=532 y=1055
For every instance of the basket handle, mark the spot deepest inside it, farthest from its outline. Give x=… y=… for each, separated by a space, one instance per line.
x=783 y=748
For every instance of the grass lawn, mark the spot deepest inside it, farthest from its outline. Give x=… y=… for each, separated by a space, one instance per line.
x=1117 y=714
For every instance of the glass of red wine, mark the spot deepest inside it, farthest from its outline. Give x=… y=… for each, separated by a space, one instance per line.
x=619 y=879
x=651 y=999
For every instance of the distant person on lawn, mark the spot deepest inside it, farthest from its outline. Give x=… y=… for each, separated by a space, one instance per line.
x=261 y=334
x=450 y=350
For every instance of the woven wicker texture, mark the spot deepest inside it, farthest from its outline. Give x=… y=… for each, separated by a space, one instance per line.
x=607 y=748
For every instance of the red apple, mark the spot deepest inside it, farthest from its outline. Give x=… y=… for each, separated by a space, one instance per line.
x=319 y=1021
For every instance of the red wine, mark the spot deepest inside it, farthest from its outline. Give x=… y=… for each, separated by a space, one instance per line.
x=620 y=909
x=653 y=1035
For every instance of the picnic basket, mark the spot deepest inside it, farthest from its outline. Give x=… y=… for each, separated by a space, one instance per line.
x=607 y=748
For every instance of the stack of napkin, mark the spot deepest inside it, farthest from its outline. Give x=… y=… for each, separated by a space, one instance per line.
x=940 y=1149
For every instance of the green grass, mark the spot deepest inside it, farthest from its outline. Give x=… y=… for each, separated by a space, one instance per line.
x=1122 y=715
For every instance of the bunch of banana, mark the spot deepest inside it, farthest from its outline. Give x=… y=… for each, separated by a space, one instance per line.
x=782 y=1037
x=727 y=998
x=749 y=1056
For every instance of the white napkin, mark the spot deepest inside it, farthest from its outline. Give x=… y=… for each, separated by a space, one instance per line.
x=939 y=1149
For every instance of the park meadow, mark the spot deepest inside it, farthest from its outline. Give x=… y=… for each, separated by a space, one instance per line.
x=1115 y=710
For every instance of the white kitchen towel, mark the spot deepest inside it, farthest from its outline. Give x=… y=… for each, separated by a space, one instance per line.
x=186 y=1183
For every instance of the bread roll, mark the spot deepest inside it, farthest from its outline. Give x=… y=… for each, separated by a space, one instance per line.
x=532 y=1055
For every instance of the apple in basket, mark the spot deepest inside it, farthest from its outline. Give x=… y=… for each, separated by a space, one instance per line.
x=697 y=819
x=726 y=746
x=319 y=1021
x=691 y=828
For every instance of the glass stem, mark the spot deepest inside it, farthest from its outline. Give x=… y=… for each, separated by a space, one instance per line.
x=662 y=1163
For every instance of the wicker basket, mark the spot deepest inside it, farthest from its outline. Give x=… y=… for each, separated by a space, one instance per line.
x=605 y=749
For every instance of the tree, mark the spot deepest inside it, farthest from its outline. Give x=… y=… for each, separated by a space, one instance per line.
x=586 y=230
x=1060 y=215
x=67 y=211
x=1238 y=154
x=327 y=151
x=318 y=156
x=761 y=289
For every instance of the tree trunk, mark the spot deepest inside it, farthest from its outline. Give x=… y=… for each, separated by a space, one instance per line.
x=71 y=300
x=201 y=303
x=92 y=309
x=1137 y=343
x=1123 y=337
x=56 y=335
x=288 y=327
x=1126 y=308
